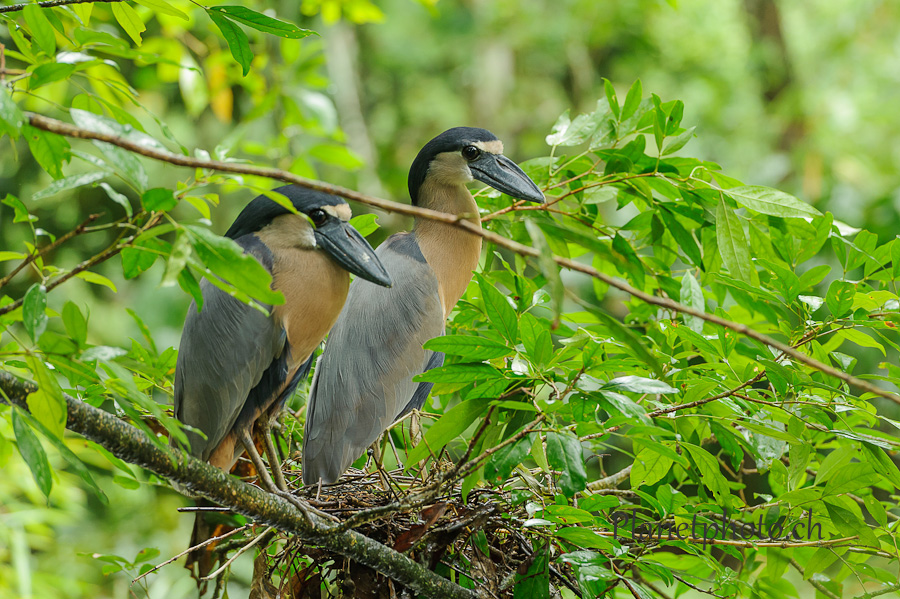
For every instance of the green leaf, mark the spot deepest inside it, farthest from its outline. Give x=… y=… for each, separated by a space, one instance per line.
x=33 y=453
x=137 y=259
x=849 y=525
x=59 y=443
x=11 y=118
x=536 y=339
x=708 y=467
x=97 y=279
x=129 y=19
x=692 y=297
x=564 y=453
x=118 y=198
x=882 y=463
x=649 y=467
x=163 y=7
x=34 y=315
x=611 y=98
x=261 y=22
x=861 y=339
x=683 y=238
x=47 y=404
x=41 y=29
x=632 y=100
x=66 y=183
x=535 y=583
x=733 y=245
x=20 y=212
x=159 y=199
x=469 y=346
x=75 y=323
x=850 y=478
x=766 y=200
x=459 y=373
x=840 y=297
x=189 y=284
x=227 y=260
x=49 y=149
x=584 y=537
x=365 y=223
x=498 y=310
x=549 y=268
x=506 y=459
x=445 y=429
x=49 y=73
x=637 y=384
x=676 y=143
x=627 y=336
x=235 y=38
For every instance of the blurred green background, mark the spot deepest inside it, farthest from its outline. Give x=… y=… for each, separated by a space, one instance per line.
x=802 y=96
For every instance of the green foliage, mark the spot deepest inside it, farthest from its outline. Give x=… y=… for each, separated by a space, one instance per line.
x=557 y=389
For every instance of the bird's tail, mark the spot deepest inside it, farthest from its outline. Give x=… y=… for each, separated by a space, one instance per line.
x=202 y=560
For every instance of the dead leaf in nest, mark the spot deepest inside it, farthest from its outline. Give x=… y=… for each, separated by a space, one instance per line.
x=431 y=515
x=261 y=587
x=306 y=584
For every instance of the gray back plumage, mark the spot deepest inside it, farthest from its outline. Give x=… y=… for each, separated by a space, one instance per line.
x=217 y=376
x=363 y=381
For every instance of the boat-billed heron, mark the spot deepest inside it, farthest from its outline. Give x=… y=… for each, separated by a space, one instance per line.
x=236 y=365
x=363 y=381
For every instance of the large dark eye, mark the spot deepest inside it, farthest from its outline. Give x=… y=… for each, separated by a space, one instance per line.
x=318 y=217
x=470 y=153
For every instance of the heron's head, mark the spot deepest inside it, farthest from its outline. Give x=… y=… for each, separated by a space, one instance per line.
x=321 y=224
x=463 y=154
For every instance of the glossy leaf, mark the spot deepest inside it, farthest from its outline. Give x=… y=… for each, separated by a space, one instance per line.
x=34 y=315
x=469 y=346
x=236 y=39
x=498 y=310
x=564 y=453
x=733 y=245
x=33 y=453
x=445 y=429
x=502 y=463
x=261 y=22
x=773 y=202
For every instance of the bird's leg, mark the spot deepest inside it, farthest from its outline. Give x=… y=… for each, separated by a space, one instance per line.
x=261 y=469
x=269 y=484
x=274 y=462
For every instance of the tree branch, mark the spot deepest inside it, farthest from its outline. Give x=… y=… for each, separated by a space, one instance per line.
x=134 y=446
x=48 y=248
x=52 y=3
x=61 y=128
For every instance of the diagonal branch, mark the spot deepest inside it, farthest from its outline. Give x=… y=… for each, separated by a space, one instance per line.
x=51 y=3
x=132 y=445
x=61 y=128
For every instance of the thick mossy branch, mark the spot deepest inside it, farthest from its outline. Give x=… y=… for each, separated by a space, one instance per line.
x=134 y=446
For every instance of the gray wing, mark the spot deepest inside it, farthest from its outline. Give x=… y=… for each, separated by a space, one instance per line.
x=363 y=380
x=225 y=349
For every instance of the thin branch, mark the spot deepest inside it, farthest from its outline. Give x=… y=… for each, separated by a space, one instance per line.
x=610 y=482
x=239 y=553
x=52 y=3
x=61 y=128
x=49 y=248
x=189 y=549
x=134 y=446
x=816 y=584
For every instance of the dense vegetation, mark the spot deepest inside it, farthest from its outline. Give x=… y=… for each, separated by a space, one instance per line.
x=663 y=381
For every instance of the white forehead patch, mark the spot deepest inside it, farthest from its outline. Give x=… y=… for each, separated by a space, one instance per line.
x=288 y=231
x=492 y=147
x=341 y=211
